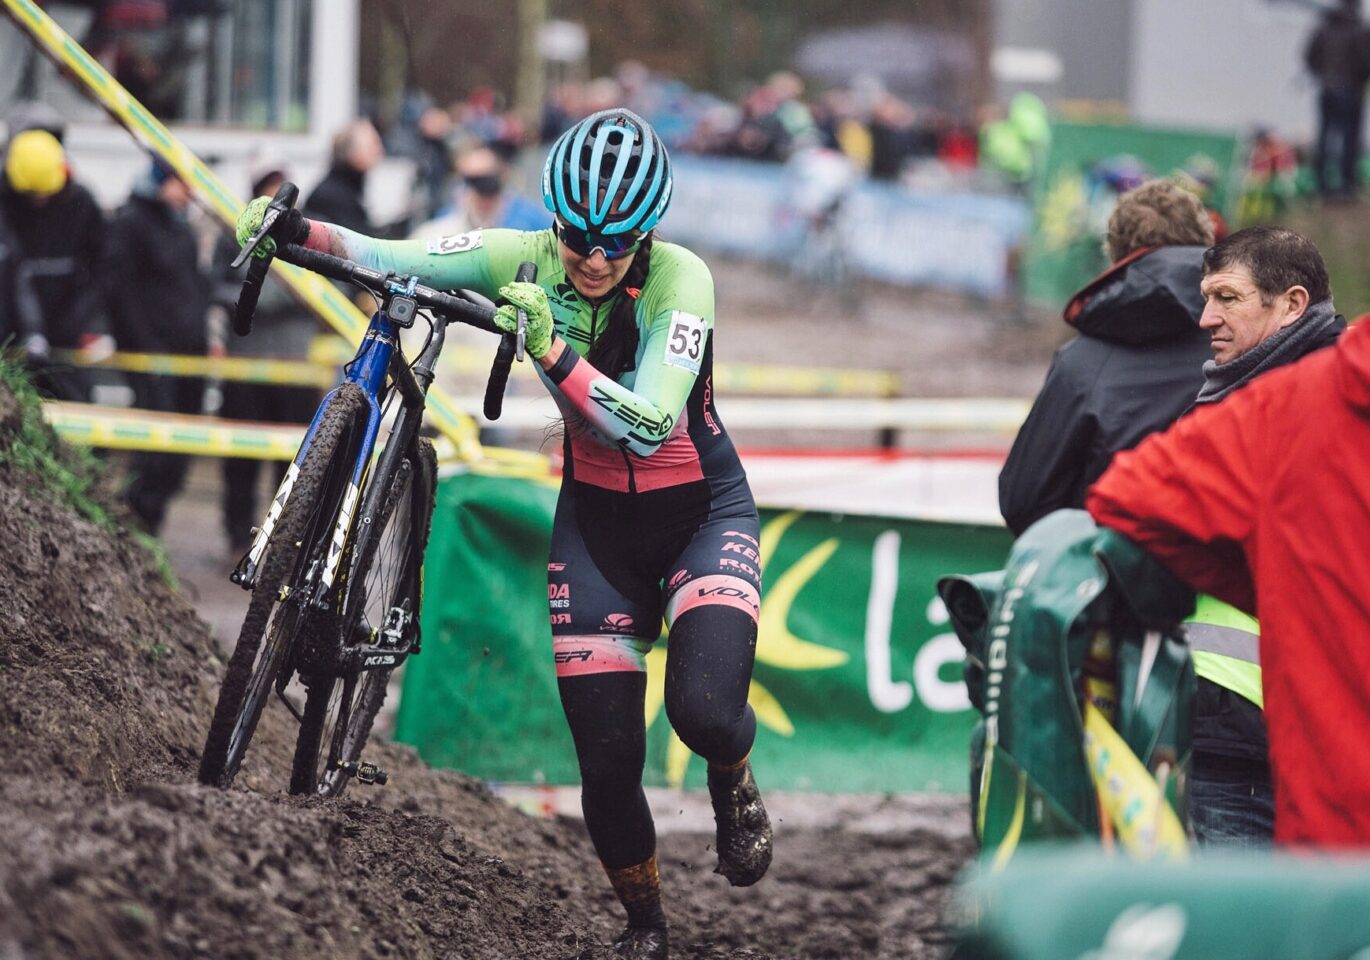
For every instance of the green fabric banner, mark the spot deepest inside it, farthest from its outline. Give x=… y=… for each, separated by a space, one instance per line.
x=1224 y=904
x=1086 y=168
x=857 y=684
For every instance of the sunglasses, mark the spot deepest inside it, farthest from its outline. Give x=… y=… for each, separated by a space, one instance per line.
x=487 y=185
x=583 y=243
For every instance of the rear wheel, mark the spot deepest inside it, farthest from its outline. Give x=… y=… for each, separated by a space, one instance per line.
x=275 y=614
x=381 y=606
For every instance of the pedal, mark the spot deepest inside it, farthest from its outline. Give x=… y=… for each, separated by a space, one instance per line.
x=370 y=773
x=365 y=772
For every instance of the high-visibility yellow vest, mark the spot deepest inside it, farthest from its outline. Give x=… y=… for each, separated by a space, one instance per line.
x=1226 y=646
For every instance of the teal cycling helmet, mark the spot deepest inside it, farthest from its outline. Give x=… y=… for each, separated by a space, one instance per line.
x=608 y=174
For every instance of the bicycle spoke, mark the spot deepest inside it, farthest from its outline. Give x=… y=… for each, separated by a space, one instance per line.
x=381 y=609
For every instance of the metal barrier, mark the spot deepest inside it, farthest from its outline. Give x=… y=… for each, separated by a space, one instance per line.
x=761 y=396
x=121 y=428
x=322 y=371
x=977 y=415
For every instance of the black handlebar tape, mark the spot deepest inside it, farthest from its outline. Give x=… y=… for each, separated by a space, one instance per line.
x=504 y=356
x=247 y=297
x=499 y=377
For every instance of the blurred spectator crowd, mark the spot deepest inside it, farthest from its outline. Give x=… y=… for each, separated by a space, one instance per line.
x=881 y=134
x=72 y=286
x=995 y=148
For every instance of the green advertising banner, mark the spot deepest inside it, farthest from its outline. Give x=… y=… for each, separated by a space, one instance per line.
x=857 y=685
x=1085 y=170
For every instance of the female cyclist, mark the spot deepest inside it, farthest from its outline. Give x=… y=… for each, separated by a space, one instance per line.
x=655 y=518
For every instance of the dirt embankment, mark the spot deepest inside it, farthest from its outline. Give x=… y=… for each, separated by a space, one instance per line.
x=111 y=849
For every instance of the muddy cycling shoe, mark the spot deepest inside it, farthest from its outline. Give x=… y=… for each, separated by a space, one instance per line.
x=642 y=943
x=745 y=840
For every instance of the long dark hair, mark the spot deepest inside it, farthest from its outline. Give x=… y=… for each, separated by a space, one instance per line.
x=615 y=350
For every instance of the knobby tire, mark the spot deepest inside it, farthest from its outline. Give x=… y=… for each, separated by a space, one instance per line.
x=304 y=528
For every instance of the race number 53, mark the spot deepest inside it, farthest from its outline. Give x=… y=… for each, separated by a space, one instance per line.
x=685 y=346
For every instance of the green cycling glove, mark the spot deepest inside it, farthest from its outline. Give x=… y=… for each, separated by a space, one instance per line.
x=532 y=300
x=250 y=221
x=294 y=230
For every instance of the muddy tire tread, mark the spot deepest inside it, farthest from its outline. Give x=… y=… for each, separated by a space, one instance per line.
x=345 y=409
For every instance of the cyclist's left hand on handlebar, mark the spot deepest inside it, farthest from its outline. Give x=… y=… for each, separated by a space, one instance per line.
x=532 y=300
x=294 y=230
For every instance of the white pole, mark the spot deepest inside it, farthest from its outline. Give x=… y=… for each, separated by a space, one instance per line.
x=333 y=65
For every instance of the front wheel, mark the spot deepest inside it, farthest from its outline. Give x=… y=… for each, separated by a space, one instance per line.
x=381 y=606
x=275 y=614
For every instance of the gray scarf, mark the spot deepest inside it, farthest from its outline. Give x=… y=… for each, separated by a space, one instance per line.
x=1319 y=327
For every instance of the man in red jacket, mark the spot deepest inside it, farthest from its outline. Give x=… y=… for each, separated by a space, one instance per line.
x=1261 y=501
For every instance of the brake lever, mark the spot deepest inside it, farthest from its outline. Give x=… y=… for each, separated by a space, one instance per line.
x=281 y=203
x=268 y=221
x=526 y=274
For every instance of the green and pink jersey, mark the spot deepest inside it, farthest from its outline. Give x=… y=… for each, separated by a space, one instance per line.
x=655 y=426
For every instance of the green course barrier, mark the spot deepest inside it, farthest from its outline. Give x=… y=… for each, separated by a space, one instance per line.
x=857 y=684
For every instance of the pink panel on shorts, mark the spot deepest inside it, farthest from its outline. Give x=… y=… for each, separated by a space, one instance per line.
x=601 y=653
x=729 y=591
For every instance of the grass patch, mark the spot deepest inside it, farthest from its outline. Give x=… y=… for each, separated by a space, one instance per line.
x=68 y=473
x=1342 y=235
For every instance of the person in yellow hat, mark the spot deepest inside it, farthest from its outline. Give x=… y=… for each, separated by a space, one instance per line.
x=57 y=231
x=36 y=165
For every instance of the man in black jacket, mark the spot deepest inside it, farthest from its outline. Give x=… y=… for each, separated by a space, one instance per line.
x=1136 y=365
x=339 y=196
x=159 y=296
x=1338 y=56
x=281 y=329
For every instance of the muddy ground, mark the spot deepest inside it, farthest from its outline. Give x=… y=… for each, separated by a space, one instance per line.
x=111 y=849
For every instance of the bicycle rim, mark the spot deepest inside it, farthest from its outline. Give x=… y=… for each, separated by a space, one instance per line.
x=339 y=716
x=273 y=621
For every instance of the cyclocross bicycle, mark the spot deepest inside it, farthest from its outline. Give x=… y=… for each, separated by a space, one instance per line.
x=335 y=568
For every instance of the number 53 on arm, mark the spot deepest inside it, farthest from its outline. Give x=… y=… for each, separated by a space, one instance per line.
x=685 y=347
